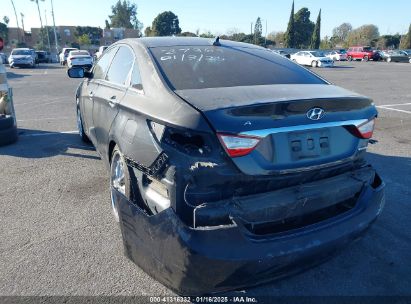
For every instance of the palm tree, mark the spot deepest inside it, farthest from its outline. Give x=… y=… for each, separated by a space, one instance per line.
x=17 y=21
x=41 y=21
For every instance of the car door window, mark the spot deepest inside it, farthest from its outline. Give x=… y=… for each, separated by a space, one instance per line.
x=102 y=64
x=120 y=66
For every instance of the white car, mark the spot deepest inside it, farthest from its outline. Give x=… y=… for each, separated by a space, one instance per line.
x=337 y=56
x=64 y=54
x=312 y=58
x=80 y=58
x=22 y=57
x=100 y=51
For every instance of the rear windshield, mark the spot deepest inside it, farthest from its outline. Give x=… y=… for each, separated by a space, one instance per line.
x=21 y=52
x=81 y=53
x=200 y=67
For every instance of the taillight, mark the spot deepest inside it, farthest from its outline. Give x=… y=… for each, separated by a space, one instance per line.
x=363 y=130
x=238 y=145
x=366 y=129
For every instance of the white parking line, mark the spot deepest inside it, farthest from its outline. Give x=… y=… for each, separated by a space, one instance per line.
x=48 y=133
x=36 y=119
x=41 y=102
x=396 y=104
x=398 y=110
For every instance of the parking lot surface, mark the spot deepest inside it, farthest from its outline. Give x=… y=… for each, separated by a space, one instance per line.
x=58 y=236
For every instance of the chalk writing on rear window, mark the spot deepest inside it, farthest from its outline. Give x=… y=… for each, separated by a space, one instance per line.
x=192 y=54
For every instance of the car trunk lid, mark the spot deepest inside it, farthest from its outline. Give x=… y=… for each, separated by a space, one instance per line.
x=278 y=116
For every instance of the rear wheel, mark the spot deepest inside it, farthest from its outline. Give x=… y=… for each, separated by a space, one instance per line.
x=389 y=59
x=366 y=58
x=314 y=64
x=349 y=58
x=119 y=180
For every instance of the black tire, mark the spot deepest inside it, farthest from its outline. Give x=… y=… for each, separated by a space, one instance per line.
x=366 y=58
x=349 y=58
x=8 y=136
x=6 y=122
x=122 y=185
x=314 y=64
x=80 y=127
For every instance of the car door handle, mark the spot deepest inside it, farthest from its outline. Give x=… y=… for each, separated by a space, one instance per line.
x=113 y=101
x=91 y=95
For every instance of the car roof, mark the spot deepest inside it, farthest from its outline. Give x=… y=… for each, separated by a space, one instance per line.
x=151 y=42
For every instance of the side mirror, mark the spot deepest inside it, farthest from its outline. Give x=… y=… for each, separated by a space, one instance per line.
x=75 y=72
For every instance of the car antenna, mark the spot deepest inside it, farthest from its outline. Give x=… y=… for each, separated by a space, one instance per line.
x=217 y=41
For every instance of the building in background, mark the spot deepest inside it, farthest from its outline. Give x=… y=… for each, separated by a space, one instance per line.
x=66 y=36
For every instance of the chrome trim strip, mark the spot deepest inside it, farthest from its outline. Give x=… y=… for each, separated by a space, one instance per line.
x=265 y=132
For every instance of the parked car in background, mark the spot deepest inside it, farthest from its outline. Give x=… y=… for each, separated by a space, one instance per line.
x=337 y=55
x=229 y=165
x=312 y=58
x=80 y=58
x=64 y=54
x=100 y=51
x=396 y=56
x=22 y=57
x=43 y=57
x=282 y=53
x=364 y=53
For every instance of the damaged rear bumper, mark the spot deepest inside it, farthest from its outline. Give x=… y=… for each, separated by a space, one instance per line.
x=203 y=260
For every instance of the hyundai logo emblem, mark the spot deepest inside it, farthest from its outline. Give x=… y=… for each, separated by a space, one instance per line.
x=315 y=113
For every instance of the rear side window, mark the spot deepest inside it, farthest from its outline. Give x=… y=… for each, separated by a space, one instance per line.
x=102 y=64
x=136 y=78
x=120 y=66
x=200 y=67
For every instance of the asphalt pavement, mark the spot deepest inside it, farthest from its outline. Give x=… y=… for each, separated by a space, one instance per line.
x=58 y=236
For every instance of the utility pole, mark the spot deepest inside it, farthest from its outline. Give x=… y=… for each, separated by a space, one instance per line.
x=17 y=21
x=265 y=39
x=22 y=24
x=54 y=28
x=251 y=28
x=47 y=30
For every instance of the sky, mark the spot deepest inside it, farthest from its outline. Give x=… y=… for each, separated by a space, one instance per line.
x=219 y=16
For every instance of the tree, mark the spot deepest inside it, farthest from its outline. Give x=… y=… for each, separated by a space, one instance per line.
x=406 y=40
x=4 y=32
x=364 y=35
x=207 y=34
x=124 y=14
x=304 y=28
x=258 y=28
x=290 y=33
x=84 y=40
x=326 y=43
x=342 y=31
x=107 y=24
x=316 y=38
x=166 y=24
x=94 y=33
x=187 y=34
x=6 y=20
x=278 y=38
x=389 y=41
x=148 y=32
